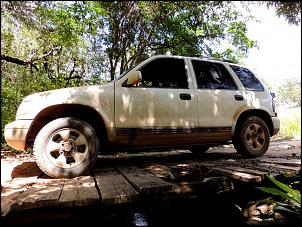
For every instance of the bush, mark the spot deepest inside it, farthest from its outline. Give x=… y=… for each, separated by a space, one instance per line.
x=290 y=124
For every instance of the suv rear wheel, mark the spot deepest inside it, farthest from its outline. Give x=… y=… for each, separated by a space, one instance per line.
x=66 y=147
x=251 y=137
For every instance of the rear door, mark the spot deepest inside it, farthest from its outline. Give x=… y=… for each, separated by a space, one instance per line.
x=218 y=99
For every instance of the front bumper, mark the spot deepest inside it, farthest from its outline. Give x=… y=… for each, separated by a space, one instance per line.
x=276 y=125
x=15 y=133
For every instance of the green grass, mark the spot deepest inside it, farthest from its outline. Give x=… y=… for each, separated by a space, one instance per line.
x=290 y=123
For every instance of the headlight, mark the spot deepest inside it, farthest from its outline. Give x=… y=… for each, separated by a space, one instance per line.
x=24 y=108
x=28 y=105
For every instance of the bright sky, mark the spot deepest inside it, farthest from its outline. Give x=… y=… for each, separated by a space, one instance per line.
x=279 y=54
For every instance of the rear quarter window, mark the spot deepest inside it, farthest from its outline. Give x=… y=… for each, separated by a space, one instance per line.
x=247 y=78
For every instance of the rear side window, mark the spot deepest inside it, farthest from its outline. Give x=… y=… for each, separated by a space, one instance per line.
x=247 y=78
x=211 y=75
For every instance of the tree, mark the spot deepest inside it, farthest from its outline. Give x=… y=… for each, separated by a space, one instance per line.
x=110 y=37
x=49 y=39
x=32 y=59
x=121 y=34
x=290 y=10
x=289 y=92
x=136 y=30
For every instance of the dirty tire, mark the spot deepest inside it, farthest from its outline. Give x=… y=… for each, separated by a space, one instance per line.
x=66 y=147
x=252 y=137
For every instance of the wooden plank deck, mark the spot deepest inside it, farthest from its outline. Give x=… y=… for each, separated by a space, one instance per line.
x=283 y=168
x=296 y=163
x=144 y=181
x=113 y=187
x=40 y=194
x=121 y=183
x=239 y=175
x=79 y=191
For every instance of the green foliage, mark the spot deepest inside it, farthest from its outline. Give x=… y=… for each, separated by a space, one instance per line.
x=291 y=10
x=291 y=198
x=10 y=99
x=289 y=92
x=144 y=28
x=290 y=123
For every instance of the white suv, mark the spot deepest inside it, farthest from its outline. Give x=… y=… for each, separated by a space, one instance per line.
x=163 y=102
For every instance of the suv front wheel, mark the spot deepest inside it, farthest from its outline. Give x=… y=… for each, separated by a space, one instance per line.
x=66 y=147
x=251 y=137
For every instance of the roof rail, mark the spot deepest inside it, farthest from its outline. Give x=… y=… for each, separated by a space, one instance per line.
x=223 y=60
x=209 y=58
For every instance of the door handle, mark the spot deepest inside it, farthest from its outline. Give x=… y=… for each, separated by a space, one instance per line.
x=185 y=96
x=238 y=97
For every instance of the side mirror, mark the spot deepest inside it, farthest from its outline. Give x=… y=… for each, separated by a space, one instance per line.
x=134 y=78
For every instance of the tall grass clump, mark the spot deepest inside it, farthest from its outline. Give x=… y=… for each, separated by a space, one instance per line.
x=290 y=123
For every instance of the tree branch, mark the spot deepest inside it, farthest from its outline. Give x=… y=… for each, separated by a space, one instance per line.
x=13 y=60
x=30 y=62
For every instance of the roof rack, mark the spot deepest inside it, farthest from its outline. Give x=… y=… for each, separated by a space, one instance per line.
x=223 y=60
x=209 y=58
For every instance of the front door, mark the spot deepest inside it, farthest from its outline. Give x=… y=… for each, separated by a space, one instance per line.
x=162 y=107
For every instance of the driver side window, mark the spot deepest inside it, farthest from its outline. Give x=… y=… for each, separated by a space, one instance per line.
x=164 y=73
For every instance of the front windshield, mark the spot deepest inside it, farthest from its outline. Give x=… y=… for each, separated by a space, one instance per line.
x=123 y=74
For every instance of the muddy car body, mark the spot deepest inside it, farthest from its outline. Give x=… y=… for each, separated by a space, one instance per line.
x=163 y=102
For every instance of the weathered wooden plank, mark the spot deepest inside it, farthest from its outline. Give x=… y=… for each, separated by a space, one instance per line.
x=283 y=162
x=79 y=191
x=174 y=165
x=237 y=175
x=201 y=163
x=274 y=172
x=144 y=181
x=282 y=167
x=113 y=187
x=193 y=174
x=160 y=171
x=44 y=193
x=245 y=170
x=258 y=170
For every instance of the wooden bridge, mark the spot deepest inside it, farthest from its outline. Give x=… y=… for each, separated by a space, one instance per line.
x=116 y=180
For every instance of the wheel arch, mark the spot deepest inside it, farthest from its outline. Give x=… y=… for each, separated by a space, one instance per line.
x=85 y=113
x=258 y=113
